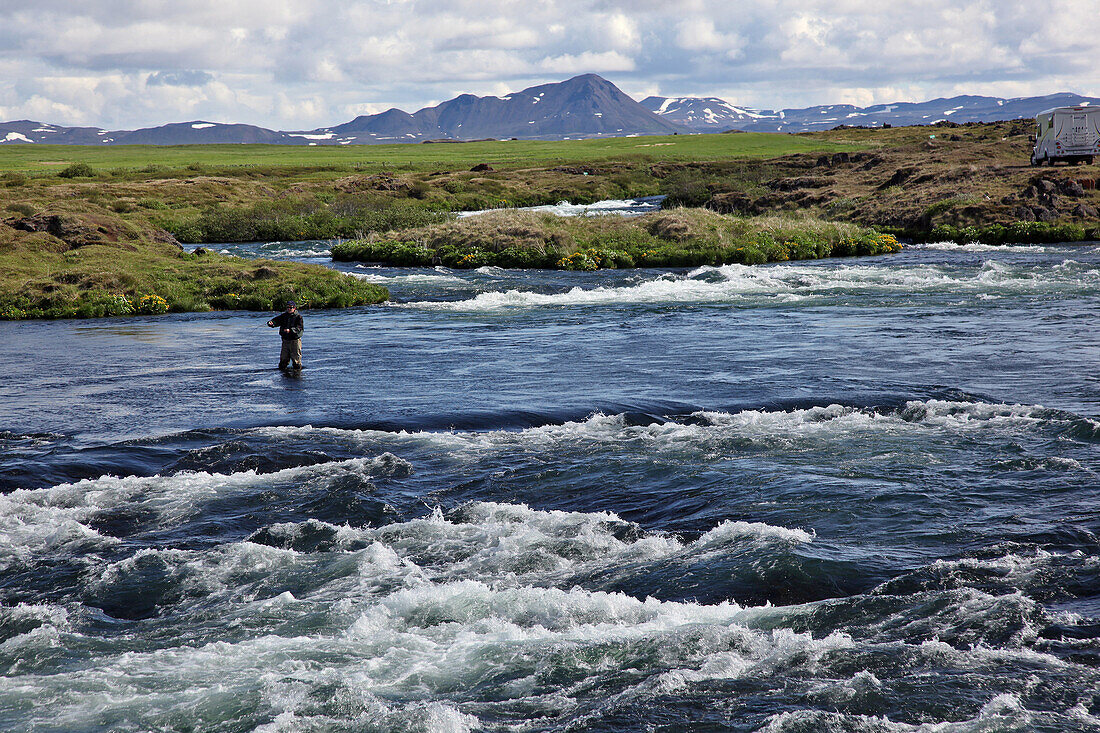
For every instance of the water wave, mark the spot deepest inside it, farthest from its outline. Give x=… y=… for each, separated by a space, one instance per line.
x=282 y=250
x=826 y=424
x=979 y=247
x=802 y=283
x=610 y=207
x=1003 y=712
x=60 y=519
x=407 y=626
x=440 y=276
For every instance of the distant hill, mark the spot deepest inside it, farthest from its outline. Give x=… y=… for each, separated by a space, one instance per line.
x=199 y=133
x=176 y=133
x=582 y=107
x=714 y=115
x=26 y=131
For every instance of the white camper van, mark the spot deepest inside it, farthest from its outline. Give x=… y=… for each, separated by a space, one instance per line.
x=1071 y=134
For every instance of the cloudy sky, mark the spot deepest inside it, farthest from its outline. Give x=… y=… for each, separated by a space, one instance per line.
x=302 y=64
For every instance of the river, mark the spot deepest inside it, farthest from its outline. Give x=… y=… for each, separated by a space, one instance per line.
x=856 y=494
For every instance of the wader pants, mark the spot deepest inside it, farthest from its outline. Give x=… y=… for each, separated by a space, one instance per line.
x=292 y=352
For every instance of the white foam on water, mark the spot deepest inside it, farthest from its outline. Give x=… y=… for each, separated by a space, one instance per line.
x=229 y=567
x=47 y=623
x=411 y=278
x=979 y=247
x=56 y=520
x=1019 y=571
x=610 y=207
x=28 y=529
x=1004 y=713
x=393 y=626
x=708 y=431
x=376 y=715
x=792 y=282
x=861 y=685
x=290 y=252
x=509 y=545
x=733 y=531
x=426 y=639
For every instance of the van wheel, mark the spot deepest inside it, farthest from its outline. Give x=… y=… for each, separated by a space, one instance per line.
x=1088 y=160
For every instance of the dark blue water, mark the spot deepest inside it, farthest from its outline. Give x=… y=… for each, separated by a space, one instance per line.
x=848 y=495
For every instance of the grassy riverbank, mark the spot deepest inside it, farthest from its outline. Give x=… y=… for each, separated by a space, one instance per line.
x=676 y=238
x=907 y=180
x=253 y=193
x=42 y=277
x=944 y=181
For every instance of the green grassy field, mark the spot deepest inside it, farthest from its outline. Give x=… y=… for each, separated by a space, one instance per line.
x=50 y=158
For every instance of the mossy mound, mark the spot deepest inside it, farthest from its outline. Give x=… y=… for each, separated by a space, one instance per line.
x=676 y=238
x=42 y=276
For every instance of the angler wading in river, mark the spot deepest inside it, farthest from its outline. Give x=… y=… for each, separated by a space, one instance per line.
x=290 y=329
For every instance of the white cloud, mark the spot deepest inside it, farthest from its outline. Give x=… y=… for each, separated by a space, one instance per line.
x=586 y=62
x=296 y=63
x=621 y=32
x=697 y=34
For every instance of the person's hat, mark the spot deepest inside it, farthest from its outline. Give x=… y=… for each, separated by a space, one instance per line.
x=291 y=304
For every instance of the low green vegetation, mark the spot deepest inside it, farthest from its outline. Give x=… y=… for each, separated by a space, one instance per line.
x=1023 y=232
x=675 y=238
x=290 y=220
x=76 y=170
x=41 y=277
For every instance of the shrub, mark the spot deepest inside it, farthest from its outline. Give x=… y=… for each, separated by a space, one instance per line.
x=21 y=207
x=693 y=193
x=151 y=305
x=77 y=170
x=11 y=313
x=471 y=259
x=942 y=207
x=672 y=225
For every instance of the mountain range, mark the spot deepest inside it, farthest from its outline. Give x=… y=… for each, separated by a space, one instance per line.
x=716 y=115
x=585 y=106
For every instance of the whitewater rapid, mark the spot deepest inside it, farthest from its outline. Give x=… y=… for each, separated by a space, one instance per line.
x=802 y=284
